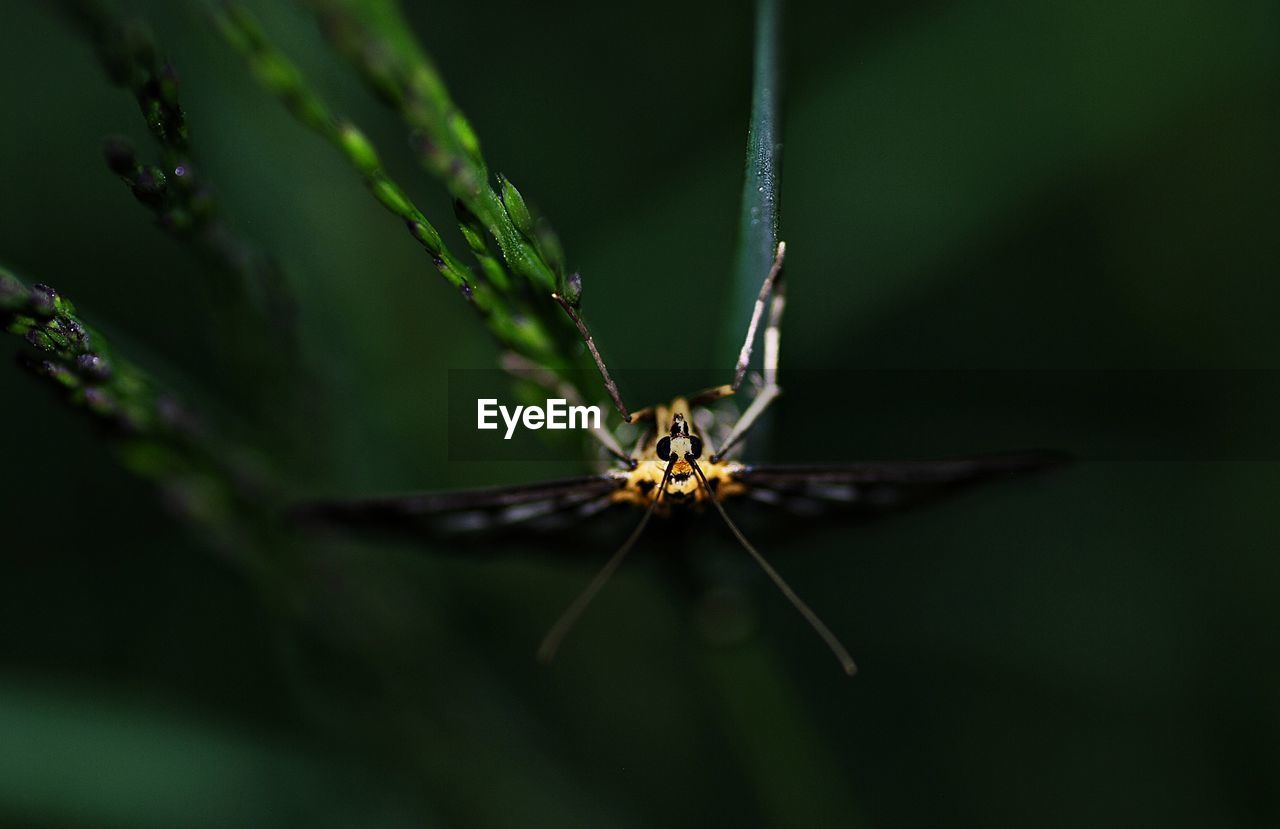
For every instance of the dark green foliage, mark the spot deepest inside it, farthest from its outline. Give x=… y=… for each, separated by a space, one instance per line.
x=508 y=315
x=968 y=186
x=128 y=53
x=378 y=42
x=157 y=436
x=183 y=201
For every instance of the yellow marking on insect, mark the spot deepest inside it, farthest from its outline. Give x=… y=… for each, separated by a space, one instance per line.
x=682 y=485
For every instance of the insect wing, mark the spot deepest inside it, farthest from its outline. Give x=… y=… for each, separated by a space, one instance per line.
x=873 y=487
x=548 y=505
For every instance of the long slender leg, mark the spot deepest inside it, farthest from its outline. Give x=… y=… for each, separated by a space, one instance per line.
x=744 y=355
x=758 y=404
x=772 y=342
x=609 y=385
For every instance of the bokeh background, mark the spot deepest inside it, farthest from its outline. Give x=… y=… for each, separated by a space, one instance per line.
x=966 y=185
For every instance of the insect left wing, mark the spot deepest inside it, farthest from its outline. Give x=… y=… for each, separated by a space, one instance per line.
x=873 y=487
x=545 y=505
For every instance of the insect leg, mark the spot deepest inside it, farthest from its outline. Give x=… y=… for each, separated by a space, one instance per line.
x=744 y=356
x=772 y=342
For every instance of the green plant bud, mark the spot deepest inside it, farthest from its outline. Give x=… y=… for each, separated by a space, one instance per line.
x=37 y=338
x=427 y=83
x=276 y=72
x=56 y=372
x=43 y=301
x=357 y=147
x=391 y=197
x=494 y=273
x=74 y=332
x=93 y=367
x=424 y=233
x=149 y=185
x=153 y=113
x=472 y=230
x=473 y=238
x=63 y=306
x=573 y=288
x=465 y=136
x=516 y=208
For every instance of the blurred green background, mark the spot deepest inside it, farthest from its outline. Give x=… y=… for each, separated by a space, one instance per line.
x=966 y=185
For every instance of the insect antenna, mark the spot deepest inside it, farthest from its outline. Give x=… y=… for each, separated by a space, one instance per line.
x=551 y=642
x=585 y=333
x=846 y=661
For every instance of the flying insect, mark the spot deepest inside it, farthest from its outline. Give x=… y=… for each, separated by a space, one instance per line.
x=675 y=466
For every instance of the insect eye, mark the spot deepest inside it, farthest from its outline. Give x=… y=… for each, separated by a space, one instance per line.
x=695 y=446
x=664 y=449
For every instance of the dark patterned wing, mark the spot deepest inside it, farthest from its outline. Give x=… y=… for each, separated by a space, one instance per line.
x=548 y=505
x=874 y=487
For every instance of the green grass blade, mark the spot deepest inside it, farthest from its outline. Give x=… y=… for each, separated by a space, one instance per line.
x=379 y=42
x=375 y=37
x=515 y=293
x=504 y=313
x=758 y=222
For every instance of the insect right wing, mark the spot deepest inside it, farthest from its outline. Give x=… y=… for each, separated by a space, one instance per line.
x=873 y=487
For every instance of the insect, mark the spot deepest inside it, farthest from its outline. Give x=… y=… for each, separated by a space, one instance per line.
x=674 y=465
